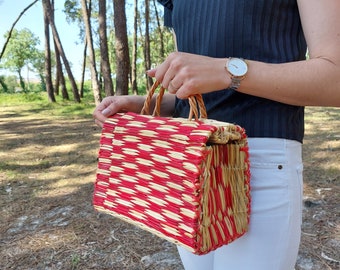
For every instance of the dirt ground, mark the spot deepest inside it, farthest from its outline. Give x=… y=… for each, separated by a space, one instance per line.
x=47 y=170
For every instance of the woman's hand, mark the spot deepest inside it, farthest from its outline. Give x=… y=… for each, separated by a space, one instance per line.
x=114 y=104
x=132 y=103
x=187 y=74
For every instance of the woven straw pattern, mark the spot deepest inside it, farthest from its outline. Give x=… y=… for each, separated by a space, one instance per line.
x=185 y=181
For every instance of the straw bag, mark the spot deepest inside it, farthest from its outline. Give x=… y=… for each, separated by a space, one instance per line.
x=184 y=180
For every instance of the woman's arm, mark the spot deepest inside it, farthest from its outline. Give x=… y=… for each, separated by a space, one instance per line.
x=312 y=82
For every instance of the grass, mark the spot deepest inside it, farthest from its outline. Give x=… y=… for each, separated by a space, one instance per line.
x=38 y=103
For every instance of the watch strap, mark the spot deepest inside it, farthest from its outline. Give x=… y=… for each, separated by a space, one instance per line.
x=235 y=82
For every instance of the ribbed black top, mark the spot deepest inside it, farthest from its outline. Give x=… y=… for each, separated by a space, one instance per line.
x=263 y=30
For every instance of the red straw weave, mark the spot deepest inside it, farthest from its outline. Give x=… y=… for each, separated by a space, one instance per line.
x=185 y=181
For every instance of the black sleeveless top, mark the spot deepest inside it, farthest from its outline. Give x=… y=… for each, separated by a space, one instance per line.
x=263 y=30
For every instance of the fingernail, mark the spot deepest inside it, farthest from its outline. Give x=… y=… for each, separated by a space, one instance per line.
x=106 y=111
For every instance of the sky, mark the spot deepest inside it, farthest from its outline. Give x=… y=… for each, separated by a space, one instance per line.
x=33 y=20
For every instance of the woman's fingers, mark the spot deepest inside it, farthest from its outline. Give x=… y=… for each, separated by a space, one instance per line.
x=187 y=74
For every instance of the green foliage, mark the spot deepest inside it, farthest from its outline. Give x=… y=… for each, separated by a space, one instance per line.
x=38 y=61
x=3 y=85
x=73 y=11
x=21 y=49
x=8 y=84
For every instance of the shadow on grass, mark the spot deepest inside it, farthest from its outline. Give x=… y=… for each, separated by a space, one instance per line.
x=47 y=170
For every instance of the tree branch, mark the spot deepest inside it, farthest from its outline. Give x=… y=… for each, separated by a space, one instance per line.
x=13 y=25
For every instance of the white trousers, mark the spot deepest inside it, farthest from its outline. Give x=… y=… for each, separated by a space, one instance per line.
x=272 y=242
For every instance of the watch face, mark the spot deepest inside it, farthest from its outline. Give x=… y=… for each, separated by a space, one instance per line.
x=237 y=67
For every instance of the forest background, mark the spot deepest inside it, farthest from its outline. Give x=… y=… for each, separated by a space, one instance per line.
x=119 y=40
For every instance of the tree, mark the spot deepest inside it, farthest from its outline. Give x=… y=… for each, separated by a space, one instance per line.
x=59 y=74
x=160 y=31
x=74 y=14
x=147 y=54
x=47 y=7
x=122 y=48
x=104 y=51
x=82 y=81
x=3 y=83
x=94 y=74
x=134 y=50
x=48 y=59
x=21 y=51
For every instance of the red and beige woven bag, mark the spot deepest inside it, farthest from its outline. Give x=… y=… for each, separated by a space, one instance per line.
x=184 y=180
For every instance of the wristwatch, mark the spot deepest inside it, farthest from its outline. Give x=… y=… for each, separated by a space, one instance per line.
x=237 y=69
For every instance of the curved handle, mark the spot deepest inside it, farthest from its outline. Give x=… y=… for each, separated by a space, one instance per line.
x=197 y=107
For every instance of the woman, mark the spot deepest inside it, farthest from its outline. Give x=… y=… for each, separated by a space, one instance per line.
x=247 y=58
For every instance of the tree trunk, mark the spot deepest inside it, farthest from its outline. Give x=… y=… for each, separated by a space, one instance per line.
x=161 y=35
x=57 y=78
x=48 y=66
x=83 y=69
x=134 y=50
x=94 y=74
x=3 y=84
x=60 y=78
x=64 y=92
x=104 y=50
x=21 y=80
x=122 y=48
x=47 y=6
x=147 y=61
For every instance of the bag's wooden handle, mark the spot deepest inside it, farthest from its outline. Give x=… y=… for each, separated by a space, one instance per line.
x=197 y=107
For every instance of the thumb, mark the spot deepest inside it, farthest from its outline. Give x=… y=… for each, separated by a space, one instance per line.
x=107 y=111
x=151 y=72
